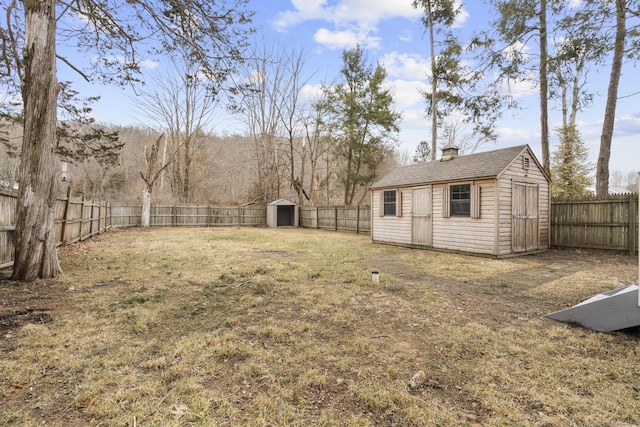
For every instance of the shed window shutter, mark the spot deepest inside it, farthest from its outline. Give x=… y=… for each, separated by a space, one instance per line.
x=381 y=203
x=446 y=202
x=475 y=201
x=398 y=203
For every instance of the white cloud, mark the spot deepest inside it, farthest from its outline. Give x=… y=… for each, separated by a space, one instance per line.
x=345 y=12
x=407 y=93
x=149 y=64
x=304 y=10
x=406 y=36
x=627 y=124
x=512 y=136
x=344 y=39
x=311 y=93
x=462 y=17
x=520 y=89
x=406 y=66
x=353 y=21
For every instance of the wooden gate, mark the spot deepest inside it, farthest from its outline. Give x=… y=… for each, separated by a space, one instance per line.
x=525 y=234
x=421 y=221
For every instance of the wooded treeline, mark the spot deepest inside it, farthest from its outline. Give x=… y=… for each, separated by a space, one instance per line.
x=225 y=172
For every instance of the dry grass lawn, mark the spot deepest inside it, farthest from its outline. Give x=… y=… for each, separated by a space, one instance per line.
x=264 y=327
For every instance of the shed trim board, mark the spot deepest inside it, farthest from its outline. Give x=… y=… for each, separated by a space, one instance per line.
x=501 y=214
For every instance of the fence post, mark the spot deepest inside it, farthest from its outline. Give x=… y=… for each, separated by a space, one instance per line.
x=317 y=219
x=633 y=232
x=64 y=217
x=174 y=215
x=93 y=205
x=241 y=215
x=80 y=237
x=335 y=218
x=99 y=217
x=357 y=219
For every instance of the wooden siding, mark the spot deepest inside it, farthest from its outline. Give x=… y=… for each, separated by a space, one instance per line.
x=465 y=234
x=392 y=229
x=516 y=173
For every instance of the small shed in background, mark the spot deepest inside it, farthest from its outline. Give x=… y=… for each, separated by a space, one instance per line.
x=282 y=213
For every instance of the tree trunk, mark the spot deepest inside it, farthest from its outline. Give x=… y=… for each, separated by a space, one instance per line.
x=35 y=251
x=146 y=208
x=544 y=111
x=434 y=84
x=149 y=177
x=602 y=168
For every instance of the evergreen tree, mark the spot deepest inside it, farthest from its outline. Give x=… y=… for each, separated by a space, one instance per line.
x=362 y=121
x=569 y=167
x=423 y=152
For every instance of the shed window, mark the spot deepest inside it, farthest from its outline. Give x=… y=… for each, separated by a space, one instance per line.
x=389 y=204
x=461 y=200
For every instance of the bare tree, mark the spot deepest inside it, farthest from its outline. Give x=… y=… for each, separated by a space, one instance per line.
x=292 y=110
x=261 y=104
x=183 y=106
x=150 y=176
x=318 y=148
x=213 y=34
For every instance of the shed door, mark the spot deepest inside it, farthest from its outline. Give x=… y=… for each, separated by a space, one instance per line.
x=525 y=234
x=421 y=229
x=285 y=216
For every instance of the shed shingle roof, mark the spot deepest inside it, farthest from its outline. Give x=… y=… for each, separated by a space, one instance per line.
x=472 y=166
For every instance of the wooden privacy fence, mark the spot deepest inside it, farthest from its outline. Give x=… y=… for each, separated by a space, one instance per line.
x=337 y=218
x=593 y=223
x=74 y=221
x=596 y=223
x=7 y=222
x=79 y=220
x=190 y=216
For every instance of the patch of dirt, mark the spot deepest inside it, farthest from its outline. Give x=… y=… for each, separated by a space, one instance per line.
x=24 y=303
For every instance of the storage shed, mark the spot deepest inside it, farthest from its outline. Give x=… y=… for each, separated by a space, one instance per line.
x=494 y=203
x=282 y=213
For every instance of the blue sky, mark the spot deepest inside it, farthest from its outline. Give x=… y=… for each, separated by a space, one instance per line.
x=391 y=33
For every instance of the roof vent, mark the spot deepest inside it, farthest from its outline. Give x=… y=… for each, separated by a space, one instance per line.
x=449 y=152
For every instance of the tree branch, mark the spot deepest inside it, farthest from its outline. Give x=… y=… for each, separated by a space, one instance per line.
x=74 y=68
